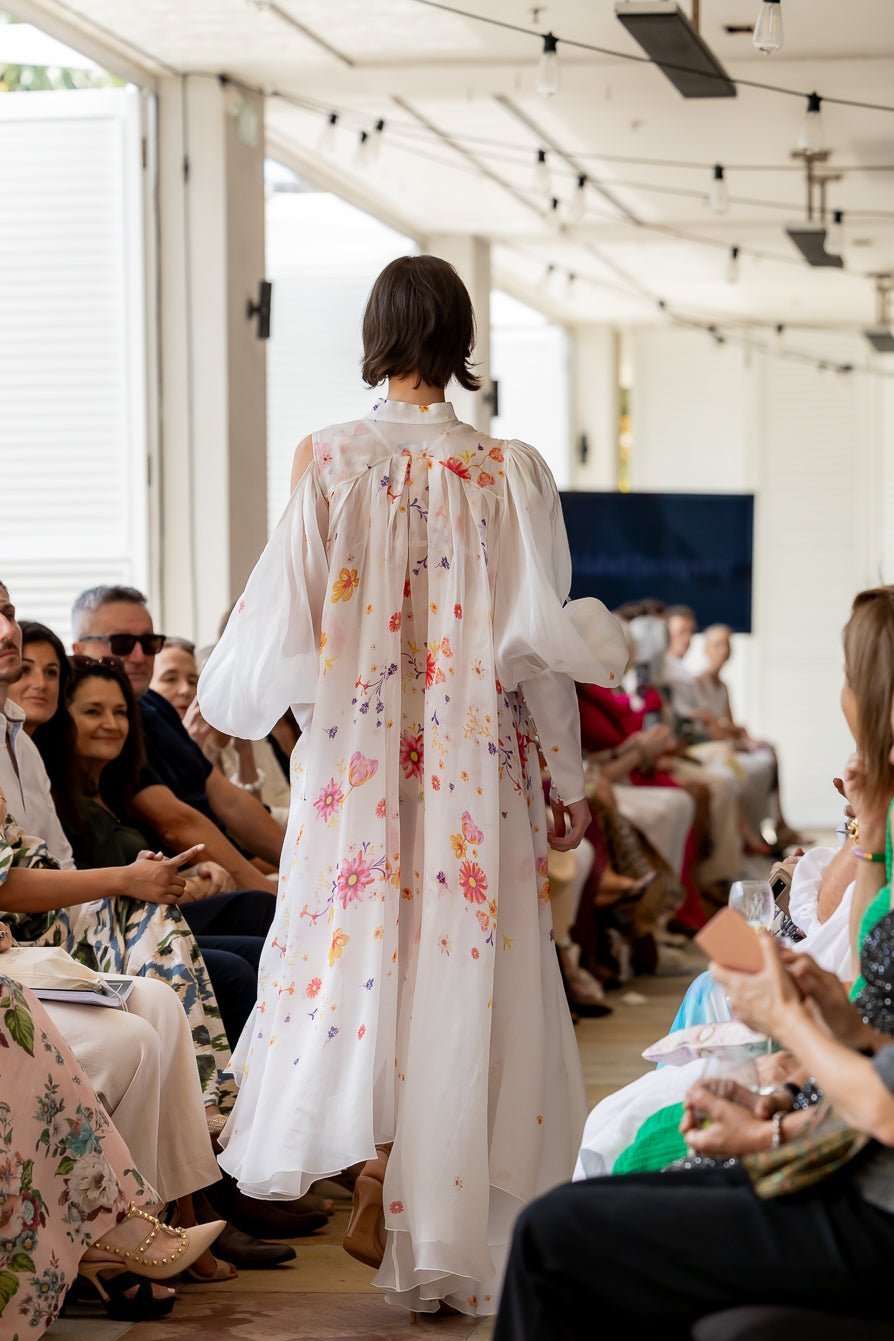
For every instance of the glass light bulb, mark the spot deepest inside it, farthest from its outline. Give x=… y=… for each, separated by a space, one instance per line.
x=327 y=135
x=835 y=234
x=718 y=197
x=361 y=154
x=374 y=147
x=548 y=76
x=776 y=344
x=812 y=139
x=732 y=265
x=768 y=29
x=541 y=174
x=577 y=203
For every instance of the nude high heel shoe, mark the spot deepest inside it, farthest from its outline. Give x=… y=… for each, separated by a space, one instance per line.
x=365 y=1235
x=180 y=1248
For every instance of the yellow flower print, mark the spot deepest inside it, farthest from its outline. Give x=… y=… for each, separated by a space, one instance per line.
x=458 y=843
x=339 y=941
x=345 y=584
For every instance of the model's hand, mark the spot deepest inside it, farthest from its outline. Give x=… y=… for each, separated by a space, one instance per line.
x=570 y=823
x=719 y=1127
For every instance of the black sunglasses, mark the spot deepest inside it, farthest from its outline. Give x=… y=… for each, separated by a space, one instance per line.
x=81 y=661
x=122 y=644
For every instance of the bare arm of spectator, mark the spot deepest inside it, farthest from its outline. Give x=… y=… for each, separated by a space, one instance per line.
x=179 y=826
x=245 y=818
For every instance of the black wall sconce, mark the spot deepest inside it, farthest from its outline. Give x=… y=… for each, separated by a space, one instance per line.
x=261 y=309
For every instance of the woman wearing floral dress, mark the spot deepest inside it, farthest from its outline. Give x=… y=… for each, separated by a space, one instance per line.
x=409 y=608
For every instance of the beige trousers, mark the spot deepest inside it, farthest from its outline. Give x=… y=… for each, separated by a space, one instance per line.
x=725 y=861
x=141 y=1063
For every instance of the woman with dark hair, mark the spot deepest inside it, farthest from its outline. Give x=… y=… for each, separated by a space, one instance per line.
x=409 y=609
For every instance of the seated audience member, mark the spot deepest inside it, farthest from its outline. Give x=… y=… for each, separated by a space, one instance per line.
x=73 y=1198
x=102 y=744
x=115 y=621
x=254 y=765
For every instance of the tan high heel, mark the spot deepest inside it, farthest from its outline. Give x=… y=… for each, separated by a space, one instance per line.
x=365 y=1235
x=185 y=1246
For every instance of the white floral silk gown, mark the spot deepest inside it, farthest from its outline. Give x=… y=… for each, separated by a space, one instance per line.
x=410 y=607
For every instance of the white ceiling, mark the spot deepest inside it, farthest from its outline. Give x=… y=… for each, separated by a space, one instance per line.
x=463 y=124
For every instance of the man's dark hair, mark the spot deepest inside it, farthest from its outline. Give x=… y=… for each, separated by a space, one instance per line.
x=419 y=320
x=95 y=597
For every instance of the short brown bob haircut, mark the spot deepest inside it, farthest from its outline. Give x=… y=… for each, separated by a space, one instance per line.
x=869 y=667
x=419 y=319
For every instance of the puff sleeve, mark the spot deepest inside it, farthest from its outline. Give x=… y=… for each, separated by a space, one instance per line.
x=268 y=657
x=543 y=643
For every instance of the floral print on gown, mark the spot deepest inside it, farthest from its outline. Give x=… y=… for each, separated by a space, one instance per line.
x=409 y=990
x=127 y=936
x=65 y=1173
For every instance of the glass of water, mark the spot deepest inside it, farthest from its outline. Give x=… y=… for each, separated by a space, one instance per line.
x=753 y=899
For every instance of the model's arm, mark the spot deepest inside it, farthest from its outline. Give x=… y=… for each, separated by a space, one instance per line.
x=245 y=817
x=180 y=826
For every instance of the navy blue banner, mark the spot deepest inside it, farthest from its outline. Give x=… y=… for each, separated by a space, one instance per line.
x=684 y=549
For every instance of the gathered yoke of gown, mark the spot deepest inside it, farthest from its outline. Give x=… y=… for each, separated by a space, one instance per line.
x=410 y=608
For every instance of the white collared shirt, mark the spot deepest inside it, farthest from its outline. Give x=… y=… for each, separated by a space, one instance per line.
x=24 y=782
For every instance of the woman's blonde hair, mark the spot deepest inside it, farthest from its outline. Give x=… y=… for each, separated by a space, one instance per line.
x=869 y=665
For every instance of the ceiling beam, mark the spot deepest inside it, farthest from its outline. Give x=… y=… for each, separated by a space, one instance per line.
x=109 y=49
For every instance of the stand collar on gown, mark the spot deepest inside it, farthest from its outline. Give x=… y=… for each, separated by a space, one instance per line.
x=402 y=412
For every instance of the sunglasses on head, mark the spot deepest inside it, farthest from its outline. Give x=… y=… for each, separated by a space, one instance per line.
x=82 y=662
x=122 y=644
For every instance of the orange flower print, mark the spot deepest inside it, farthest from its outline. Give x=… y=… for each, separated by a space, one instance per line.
x=458 y=843
x=474 y=952
x=496 y=454
x=435 y=782
x=394 y=622
x=353 y=878
x=396 y=1208
x=457 y=611
x=313 y=988
x=345 y=584
x=471 y=832
x=380 y=809
x=329 y=800
x=472 y=882
x=361 y=769
x=336 y=949
x=483 y=919
x=484 y=478
x=446 y=649
x=453 y=463
x=411 y=754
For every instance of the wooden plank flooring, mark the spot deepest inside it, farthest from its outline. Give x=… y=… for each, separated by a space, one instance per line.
x=324 y=1295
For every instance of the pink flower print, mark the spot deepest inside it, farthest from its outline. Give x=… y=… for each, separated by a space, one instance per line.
x=457 y=611
x=471 y=832
x=241 y=606
x=445 y=945
x=313 y=988
x=380 y=809
x=431 y=670
x=361 y=769
x=395 y=622
x=453 y=463
x=484 y=478
x=329 y=800
x=353 y=878
x=496 y=454
x=406 y=588
x=361 y=1031
x=458 y=843
x=411 y=754
x=474 y=953
x=472 y=882
x=396 y=1208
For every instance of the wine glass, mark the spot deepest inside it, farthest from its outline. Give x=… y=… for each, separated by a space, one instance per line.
x=726 y=1072
x=754 y=900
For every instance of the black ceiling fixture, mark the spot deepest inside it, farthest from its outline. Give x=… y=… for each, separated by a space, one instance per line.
x=881 y=336
x=674 y=43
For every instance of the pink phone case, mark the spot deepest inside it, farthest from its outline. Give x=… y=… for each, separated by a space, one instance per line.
x=730 y=941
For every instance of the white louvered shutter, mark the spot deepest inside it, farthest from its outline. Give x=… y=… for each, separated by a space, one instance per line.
x=72 y=348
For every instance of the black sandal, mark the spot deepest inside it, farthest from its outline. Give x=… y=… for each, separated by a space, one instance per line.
x=110 y=1288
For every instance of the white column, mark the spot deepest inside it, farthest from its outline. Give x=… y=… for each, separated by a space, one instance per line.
x=470 y=256
x=213 y=515
x=595 y=406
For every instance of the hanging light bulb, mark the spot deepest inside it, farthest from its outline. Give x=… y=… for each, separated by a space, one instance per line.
x=768 y=29
x=548 y=77
x=570 y=284
x=732 y=265
x=778 y=333
x=327 y=135
x=812 y=140
x=835 y=234
x=718 y=196
x=555 y=218
x=375 y=141
x=361 y=156
x=577 y=205
x=541 y=174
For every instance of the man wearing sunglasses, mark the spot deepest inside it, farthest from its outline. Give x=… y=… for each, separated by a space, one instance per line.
x=184 y=795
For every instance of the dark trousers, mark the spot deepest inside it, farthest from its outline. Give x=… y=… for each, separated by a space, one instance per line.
x=650 y=1254
x=789 y=1324
x=230 y=930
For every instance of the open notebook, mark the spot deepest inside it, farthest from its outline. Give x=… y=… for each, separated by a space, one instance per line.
x=52 y=975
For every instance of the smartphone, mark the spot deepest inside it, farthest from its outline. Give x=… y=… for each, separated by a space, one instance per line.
x=781 y=885
x=730 y=941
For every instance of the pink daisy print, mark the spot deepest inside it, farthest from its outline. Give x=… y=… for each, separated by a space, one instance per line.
x=380 y=809
x=394 y=622
x=396 y=1208
x=411 y=754
x=474 y=953
x=472 y=882
x=329 y=800
x=353 y=877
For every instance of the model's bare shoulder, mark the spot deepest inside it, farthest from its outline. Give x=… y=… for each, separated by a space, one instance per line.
x=304 y=454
